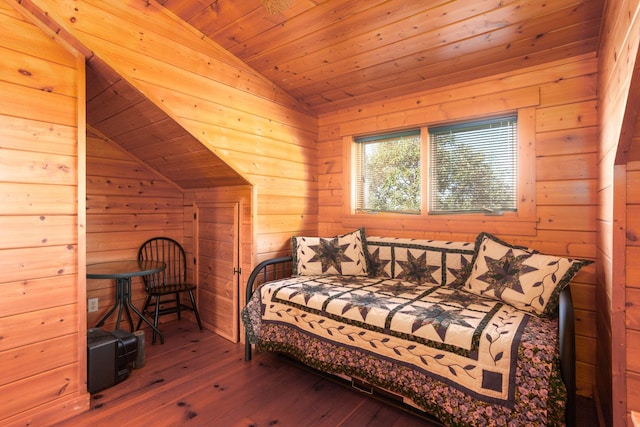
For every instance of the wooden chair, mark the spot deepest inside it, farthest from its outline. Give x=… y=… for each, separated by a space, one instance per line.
x=170 y=282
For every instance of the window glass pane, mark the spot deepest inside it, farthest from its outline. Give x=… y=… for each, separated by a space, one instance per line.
x=474 y=166
x=388 y=173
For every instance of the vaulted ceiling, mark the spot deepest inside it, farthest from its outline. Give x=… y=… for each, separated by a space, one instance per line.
x=331 y=54
x=117 y=111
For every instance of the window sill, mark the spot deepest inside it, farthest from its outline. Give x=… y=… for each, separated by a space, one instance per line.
x=471 y=224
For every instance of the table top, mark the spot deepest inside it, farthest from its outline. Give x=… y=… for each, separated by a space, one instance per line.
x=123 y=269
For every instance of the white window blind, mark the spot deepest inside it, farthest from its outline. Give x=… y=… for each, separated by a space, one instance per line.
x=473 y=166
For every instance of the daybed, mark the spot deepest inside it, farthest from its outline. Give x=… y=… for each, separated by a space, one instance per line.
x=470 y=333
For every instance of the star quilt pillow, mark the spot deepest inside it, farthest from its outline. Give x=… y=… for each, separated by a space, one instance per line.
x=522 y=278
x=343 y=255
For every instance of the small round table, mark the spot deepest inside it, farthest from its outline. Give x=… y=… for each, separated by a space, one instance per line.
x=122 y=272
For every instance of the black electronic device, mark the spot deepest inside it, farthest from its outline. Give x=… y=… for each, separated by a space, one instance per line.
x=110 y=357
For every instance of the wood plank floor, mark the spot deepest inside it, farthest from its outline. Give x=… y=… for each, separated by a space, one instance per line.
x=201 y=379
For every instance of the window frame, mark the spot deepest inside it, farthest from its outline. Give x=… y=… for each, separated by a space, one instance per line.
x=429 y=190
x=357 y=166
x=523 y=221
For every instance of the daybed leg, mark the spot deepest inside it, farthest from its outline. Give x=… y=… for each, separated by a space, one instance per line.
x=568 y=353
x=247 y=348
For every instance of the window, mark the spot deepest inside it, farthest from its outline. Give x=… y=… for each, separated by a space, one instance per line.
x=389 y=173
x=472 y=167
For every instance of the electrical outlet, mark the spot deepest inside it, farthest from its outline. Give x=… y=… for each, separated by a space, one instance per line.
x=92 y=305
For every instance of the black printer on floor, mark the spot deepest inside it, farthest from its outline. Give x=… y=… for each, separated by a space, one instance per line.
x=110 y=357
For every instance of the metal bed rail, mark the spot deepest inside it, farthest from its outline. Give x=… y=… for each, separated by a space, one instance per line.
x=566 y=333
x=268 y=270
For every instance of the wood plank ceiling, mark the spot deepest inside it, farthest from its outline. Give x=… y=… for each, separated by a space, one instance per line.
x=332 y=54
x=122 y=114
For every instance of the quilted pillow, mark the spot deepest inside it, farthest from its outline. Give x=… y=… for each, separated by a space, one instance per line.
x=343 y=255
x=525 y=279
x=420 y=260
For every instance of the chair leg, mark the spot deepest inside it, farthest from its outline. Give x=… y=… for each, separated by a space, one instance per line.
x=156 y=314
x=155 y=318
x=195 y=310
x=178 y=306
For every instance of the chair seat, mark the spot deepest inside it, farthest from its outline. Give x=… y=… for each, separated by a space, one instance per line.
x=171 y=289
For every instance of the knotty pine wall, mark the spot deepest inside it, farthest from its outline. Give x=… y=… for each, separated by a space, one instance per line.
x=257 y=129
x=632 y=289
x=42 y=244
x=566 y=145
x=617 y=379
x=631 y=266
x=253 y=126
x=127 y=203
x=272 y=141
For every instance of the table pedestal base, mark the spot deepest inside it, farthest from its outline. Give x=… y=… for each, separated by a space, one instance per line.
x=123 y=302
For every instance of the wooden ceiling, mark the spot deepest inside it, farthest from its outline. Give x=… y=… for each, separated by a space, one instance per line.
x=119 y=112
x=333 y=54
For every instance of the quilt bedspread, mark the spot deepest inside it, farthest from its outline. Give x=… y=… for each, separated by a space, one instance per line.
x=442 y=337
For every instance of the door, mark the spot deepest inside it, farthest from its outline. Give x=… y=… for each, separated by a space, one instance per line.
x=217 y=233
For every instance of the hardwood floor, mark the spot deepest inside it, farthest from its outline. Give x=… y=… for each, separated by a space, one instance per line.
x=201 y=379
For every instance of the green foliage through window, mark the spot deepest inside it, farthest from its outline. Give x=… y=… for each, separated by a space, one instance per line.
x=472 y=168
x=389 y=173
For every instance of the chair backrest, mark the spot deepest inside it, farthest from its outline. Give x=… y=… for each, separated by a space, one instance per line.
x=172 y=254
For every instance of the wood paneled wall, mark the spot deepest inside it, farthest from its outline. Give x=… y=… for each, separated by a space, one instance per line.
x=632 y=289
x=566 y=142
x=127 y=203
x=269 y=138
x=616 y=383
x=632 y=269
x=42 y=369
x=253 y=126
